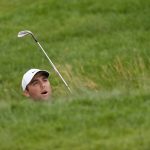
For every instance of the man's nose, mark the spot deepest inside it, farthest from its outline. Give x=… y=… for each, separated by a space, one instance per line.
x=42 y=84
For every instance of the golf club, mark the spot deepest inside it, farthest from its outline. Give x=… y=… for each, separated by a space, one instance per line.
x=26 y=32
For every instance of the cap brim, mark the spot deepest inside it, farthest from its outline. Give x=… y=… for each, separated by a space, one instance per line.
x=44 y=72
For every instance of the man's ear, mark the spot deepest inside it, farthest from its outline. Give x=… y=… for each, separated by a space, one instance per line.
x=26 y=93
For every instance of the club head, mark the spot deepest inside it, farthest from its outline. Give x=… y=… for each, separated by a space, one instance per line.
x=24 y=33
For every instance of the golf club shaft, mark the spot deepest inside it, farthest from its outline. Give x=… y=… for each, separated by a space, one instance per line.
x=52 y=64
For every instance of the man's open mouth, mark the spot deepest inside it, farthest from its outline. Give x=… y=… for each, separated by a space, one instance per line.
x=44 y=92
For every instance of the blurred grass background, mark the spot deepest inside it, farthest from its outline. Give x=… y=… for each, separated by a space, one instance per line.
x=101 y=48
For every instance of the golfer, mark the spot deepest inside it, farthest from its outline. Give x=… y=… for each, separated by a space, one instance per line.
x=35 y=84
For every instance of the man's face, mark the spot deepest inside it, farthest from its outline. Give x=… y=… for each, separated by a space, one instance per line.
x=39 y=88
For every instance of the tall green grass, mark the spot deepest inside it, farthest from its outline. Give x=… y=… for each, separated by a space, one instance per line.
x=110 y=123
x=102 y=50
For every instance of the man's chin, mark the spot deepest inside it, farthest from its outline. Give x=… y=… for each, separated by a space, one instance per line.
x=45 y=97
x=41 y=98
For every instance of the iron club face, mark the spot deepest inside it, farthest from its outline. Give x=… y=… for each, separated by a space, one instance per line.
x=24 y=33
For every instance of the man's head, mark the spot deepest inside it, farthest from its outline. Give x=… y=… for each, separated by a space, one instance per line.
x=35 y=84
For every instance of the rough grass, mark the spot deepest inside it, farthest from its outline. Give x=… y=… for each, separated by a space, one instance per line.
x=102 y=50
x=115 y=123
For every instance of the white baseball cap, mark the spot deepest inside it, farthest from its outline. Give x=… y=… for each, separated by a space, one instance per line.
x=28 y=76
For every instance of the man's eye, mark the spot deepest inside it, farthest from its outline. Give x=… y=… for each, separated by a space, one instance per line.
x=34 y=83
x=45 y=79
